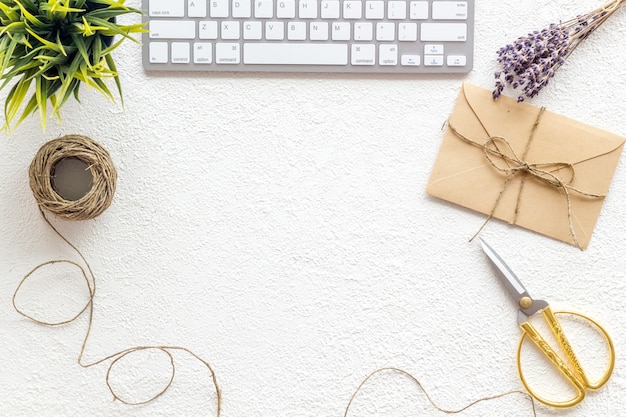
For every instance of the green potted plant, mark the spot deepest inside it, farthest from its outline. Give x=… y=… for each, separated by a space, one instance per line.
x=49 y=48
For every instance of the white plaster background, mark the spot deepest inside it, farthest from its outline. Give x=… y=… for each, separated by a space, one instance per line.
x=277 y=226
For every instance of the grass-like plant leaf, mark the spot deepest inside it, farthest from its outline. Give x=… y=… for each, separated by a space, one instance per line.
x=54 y=47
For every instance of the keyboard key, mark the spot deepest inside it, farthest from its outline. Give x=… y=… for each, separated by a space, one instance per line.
x=202 y=53
x=207 y=30
x=218 y=8
x=295 y=53
x=197 y=8
x=407 y=32
x=275 y=31
x=172 y=29
x=410 y=60
x=230 y=30
x=227 y=53
x=444 y=32
x=307 y=9
x=449 y=10
x=330 y=9
x=158 y=52
x=241 y=9
x=181 y=53
x=286 y=9
x=388 y=54
x=374 y=9
x=363 y=54
x=319 y=31
x=433 y=60
x=363 y=31
x=166 y=8
x=418 y=10
x=352 y=9
x=296 y=31
x=252 y=30
x=456 y=60
x=386 y=32
x=264 y=9
x=341 y=31
x=431 y=49
x=396 y=10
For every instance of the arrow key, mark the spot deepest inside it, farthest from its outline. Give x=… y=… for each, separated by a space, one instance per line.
x=430 y=49
x=433 y=60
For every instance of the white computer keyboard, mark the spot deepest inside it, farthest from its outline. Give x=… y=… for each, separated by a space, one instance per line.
x=367 y=36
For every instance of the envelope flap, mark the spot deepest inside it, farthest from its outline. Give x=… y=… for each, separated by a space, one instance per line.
x=481 y=117
x=556 y=139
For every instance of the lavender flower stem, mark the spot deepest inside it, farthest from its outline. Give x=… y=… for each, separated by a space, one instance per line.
x=532 y=60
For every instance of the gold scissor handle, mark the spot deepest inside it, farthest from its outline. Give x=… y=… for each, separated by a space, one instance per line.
x=574 y=373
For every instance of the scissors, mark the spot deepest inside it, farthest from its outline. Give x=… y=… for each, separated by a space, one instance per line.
x=571 y=367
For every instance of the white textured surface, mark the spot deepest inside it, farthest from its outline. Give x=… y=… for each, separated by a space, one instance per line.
x=277 y=225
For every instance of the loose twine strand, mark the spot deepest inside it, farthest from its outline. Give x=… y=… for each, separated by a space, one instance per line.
x=94 y=203
x=429 y=398
x=611 y=5
x=515 y=165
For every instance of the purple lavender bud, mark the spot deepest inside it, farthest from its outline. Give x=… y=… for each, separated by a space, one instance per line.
x=498 y=90
x=531 y=60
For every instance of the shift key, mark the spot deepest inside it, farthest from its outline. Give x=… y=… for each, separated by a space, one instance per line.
x=444 y=32
x=172 y=29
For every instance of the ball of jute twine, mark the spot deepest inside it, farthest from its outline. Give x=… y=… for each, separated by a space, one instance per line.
x=103 y=173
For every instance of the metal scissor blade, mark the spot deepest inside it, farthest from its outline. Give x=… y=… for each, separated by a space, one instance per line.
x=513 y=284
x=528 y=306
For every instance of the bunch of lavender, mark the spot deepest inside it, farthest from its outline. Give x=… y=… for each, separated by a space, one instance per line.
x=532 y=60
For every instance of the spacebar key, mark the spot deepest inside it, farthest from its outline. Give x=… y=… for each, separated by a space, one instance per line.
x=295 y=54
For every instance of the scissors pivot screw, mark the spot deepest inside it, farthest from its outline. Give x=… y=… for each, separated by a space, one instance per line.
x=525 y=302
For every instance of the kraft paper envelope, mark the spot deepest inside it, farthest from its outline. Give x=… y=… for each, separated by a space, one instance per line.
x=494 y=177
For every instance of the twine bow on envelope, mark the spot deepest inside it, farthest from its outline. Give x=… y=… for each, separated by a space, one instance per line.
x=558 y=170
x=514 y=165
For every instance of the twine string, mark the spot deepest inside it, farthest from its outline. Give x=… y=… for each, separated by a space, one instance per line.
x=514 y=165
x=429 y=398
x=524 y=173
x=611 y=6
x=90 y=280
